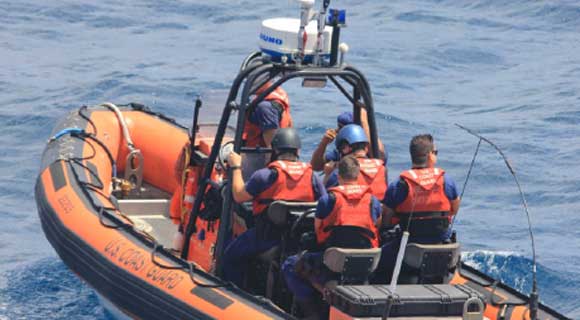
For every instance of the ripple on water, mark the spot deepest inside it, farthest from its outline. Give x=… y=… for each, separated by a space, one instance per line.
x=47 y=288
x=466 y=56
x=515 y=270
x=422 y=16
x=570 y=117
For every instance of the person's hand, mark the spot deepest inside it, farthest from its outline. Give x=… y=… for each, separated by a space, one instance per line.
x=329 y=136
x=234 y=159
x=329 y=167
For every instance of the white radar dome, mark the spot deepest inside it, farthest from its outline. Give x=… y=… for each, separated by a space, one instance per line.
x=279 y=37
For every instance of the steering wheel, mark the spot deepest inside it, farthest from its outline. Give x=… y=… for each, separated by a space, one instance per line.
x=224 y=153
x=299 y=222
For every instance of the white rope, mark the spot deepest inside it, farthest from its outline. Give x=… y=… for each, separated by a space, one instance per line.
x=117 y=112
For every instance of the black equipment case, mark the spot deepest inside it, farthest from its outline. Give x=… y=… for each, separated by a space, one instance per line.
x=408 y=300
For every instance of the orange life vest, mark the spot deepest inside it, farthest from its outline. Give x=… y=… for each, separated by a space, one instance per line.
x=373 y=175
x=294 y=183
x=352 y=208
x=426 y=193
x=252 y=134
x=184 y=195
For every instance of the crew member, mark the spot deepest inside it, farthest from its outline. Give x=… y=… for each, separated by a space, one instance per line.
x=422 y=200
x=285 y=178
x=322 y=156
x=423 y=194
x=349 y=204
x=268 y=115
x=352 y=140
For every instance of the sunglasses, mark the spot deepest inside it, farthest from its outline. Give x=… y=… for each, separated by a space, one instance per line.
x=435 y=152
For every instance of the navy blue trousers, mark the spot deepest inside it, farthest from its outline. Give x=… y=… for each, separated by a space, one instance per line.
x=240 y=251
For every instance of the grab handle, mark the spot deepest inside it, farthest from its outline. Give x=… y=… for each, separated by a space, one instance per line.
x=473 y=315
x=134 y=168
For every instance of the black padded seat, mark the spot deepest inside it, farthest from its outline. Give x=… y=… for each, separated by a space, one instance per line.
x=353 y=265
x=340 y=259
x=416 y=253
x=429 y=263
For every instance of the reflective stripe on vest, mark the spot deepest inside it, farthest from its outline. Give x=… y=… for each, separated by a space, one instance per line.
x=426 y=192
x=252 y=134
x=294 y=183
x=352 y=208
x=373 y=174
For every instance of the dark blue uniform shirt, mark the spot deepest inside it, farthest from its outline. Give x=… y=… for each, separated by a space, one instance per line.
x=265 y=116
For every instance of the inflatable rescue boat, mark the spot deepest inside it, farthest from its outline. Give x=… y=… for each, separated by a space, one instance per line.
x=139 y=207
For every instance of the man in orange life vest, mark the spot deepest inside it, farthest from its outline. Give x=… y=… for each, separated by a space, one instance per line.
x=270 y=114
x=425 y=195
x=285 y=178
x=347 y=205
x=425 y=192
x=352 y=140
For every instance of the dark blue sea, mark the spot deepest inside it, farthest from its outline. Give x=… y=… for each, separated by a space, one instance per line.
x=509 y=70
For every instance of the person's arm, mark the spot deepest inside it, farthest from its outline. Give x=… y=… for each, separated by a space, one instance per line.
x=318 y=159
x=331 y=178
x=268 y=136
x=382 y=151
x=376 y=212
x=323 y=209
x=387 y=215
x=396 y=193
x=238 y=187
x=454 y=206
x=317 y=224
x=267 y=118
x=452 y=194
x=318 y=186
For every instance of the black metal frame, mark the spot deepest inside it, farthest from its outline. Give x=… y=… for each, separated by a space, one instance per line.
x=254 y=72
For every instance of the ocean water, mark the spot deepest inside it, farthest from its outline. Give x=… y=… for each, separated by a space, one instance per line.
x=507 y=69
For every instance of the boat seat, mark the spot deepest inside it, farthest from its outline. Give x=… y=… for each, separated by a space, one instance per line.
x=353 y=265
x=430 y=263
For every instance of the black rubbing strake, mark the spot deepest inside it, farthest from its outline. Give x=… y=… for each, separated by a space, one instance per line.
x=212 y=297
x=57 y=174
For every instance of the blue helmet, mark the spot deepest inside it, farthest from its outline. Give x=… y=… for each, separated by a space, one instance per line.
x=351 y=134
x=345 y=118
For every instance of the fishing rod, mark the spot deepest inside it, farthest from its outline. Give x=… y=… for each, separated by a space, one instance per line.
x=534 y=295
x=467 y=178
